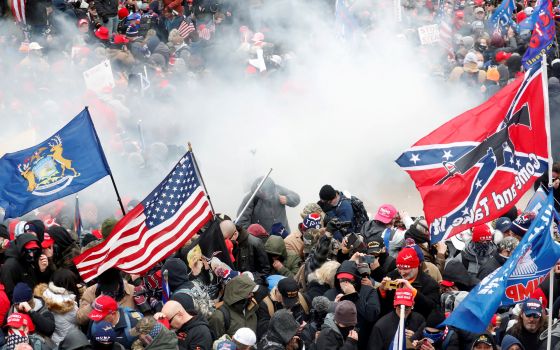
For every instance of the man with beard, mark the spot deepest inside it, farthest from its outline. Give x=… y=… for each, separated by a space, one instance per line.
x=465 y=267
x=409 y=275
x=530 y=324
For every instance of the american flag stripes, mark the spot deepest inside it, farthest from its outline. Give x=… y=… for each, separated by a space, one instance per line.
x=185 y=29
x=18 y=10
x=161 y=224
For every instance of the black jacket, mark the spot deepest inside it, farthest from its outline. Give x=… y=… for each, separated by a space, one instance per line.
x=106 y=8
x=366 y=301
x=263 y=315
x=331 y=338
x=386 y=264
x=195 y=334
x=315 y=289
x=251 y=256
x=16 y=269
x=383 y=332
x=427 y=294
x=42 y=318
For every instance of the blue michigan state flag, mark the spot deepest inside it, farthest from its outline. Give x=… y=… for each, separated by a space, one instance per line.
x=65 y=163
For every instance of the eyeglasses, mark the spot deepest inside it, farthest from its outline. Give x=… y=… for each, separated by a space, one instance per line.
x=172 y=317
x=533 y=316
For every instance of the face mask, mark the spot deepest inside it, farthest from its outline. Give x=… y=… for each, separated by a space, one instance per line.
x=433 y=337
x=345 y=330
x=31 y=255
x=481 y=48
x=480 y=248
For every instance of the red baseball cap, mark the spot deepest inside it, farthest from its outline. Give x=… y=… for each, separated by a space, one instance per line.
x=445 y=283
x=102 y=306
x=481 y=233
x=17 y=320
x=386 y=213
x=403 y=296
x=31 y=245
x=48 y=241
x=345 y=275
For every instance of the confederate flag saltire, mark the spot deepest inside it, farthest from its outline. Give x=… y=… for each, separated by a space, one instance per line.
x=475 y=167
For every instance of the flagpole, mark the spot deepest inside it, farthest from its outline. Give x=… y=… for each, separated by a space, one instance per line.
x=401 y=326
x=252 y=196
x=549 y=145
x=201 y=179
x=108 y=168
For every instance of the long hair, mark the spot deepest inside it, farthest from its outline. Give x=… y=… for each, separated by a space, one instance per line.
x=517 y=328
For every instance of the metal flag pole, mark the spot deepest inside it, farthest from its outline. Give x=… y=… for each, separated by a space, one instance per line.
x=401 y=326
x=547 y=122
x=252 y=196
x=201 y=179
x=108 y=169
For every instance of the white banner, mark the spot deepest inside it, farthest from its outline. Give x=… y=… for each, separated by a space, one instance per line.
x=99 y=77
x=428 y=34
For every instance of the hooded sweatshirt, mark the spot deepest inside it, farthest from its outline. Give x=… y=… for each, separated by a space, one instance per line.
x=242 y=311
x=16 y=269
x=281 y=329
x=510 y=340
x=331 y=337
x=275 y=246
x=194 y=335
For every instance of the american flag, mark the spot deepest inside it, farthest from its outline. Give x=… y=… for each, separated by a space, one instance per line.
x=18 y=10
x=185 y=29
x=205 y=31
x=161 y=224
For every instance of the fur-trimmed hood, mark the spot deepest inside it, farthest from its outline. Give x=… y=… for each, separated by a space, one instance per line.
x=57 y=299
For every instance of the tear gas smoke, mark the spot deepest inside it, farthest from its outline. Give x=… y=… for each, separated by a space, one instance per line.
x=340 y=112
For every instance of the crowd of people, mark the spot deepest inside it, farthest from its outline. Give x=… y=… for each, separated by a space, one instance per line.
x=337 y=279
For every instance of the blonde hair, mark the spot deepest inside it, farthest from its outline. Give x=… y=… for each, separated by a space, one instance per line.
x=174 y=35
x=326 y=273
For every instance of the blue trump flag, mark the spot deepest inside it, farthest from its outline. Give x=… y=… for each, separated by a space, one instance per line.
x=65 y=163
x=501 y=17
x=529 y=264
x=542 y=38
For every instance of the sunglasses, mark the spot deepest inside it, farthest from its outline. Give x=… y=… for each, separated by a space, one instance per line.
x=533 y=316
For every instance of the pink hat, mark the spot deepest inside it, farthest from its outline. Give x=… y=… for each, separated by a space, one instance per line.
x=386 y=213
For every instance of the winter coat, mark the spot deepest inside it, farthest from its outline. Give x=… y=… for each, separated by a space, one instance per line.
x=383 y=332
x=265 y=208
x=251 y=256
x=264 y=314
x=89 y=296
x=4 y=305
x=466 y=266
x=106 y=8
x=74 y=340
x=42 y=318
x=194 y=335
x=128 y=319
x=240 y=315
x=330 y=337
x=427 y=294
x=386 y=264
x=374 y=228
x=315 y=289
x=16 y=269
x=432 y=271
x=366 y=300
x=529 y=340
x=495 y=262
x=281 y=329
x=294 y=243
x=62 y=304
x=275 y=246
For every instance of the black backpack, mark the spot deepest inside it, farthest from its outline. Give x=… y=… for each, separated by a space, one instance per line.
x=360 y=213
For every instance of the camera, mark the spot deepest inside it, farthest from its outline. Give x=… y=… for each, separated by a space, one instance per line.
x=368 y=259
x=336 y=225
x=392 y=285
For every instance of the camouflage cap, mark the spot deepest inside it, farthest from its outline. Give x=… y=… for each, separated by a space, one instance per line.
x=311 y=208
x=310 y=238
x=144 y=326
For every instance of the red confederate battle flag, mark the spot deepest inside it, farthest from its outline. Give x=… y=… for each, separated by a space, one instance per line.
x=475 y=167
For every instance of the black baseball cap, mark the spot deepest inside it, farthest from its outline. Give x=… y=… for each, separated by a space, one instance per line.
x=375 y=245
x=289 y=290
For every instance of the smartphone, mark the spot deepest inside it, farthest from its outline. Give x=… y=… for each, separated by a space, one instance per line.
x=351 y=240
x=368 y=259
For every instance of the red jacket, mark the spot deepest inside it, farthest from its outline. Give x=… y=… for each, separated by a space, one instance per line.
x=4 y=305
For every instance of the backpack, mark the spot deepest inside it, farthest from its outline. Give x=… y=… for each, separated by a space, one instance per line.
x=225 y=313
x=301 y=300
x=360 y=213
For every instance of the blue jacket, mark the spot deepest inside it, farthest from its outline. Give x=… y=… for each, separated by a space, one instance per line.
x=343 y=211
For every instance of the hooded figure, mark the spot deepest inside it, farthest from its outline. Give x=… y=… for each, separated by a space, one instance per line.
x=363 y=296
x=238 y=310
x=281 y=329
x=336 y=328
x=286 y=263
x=22 y=264
x=65 y=248
x=269 y=205
x=510 y=340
